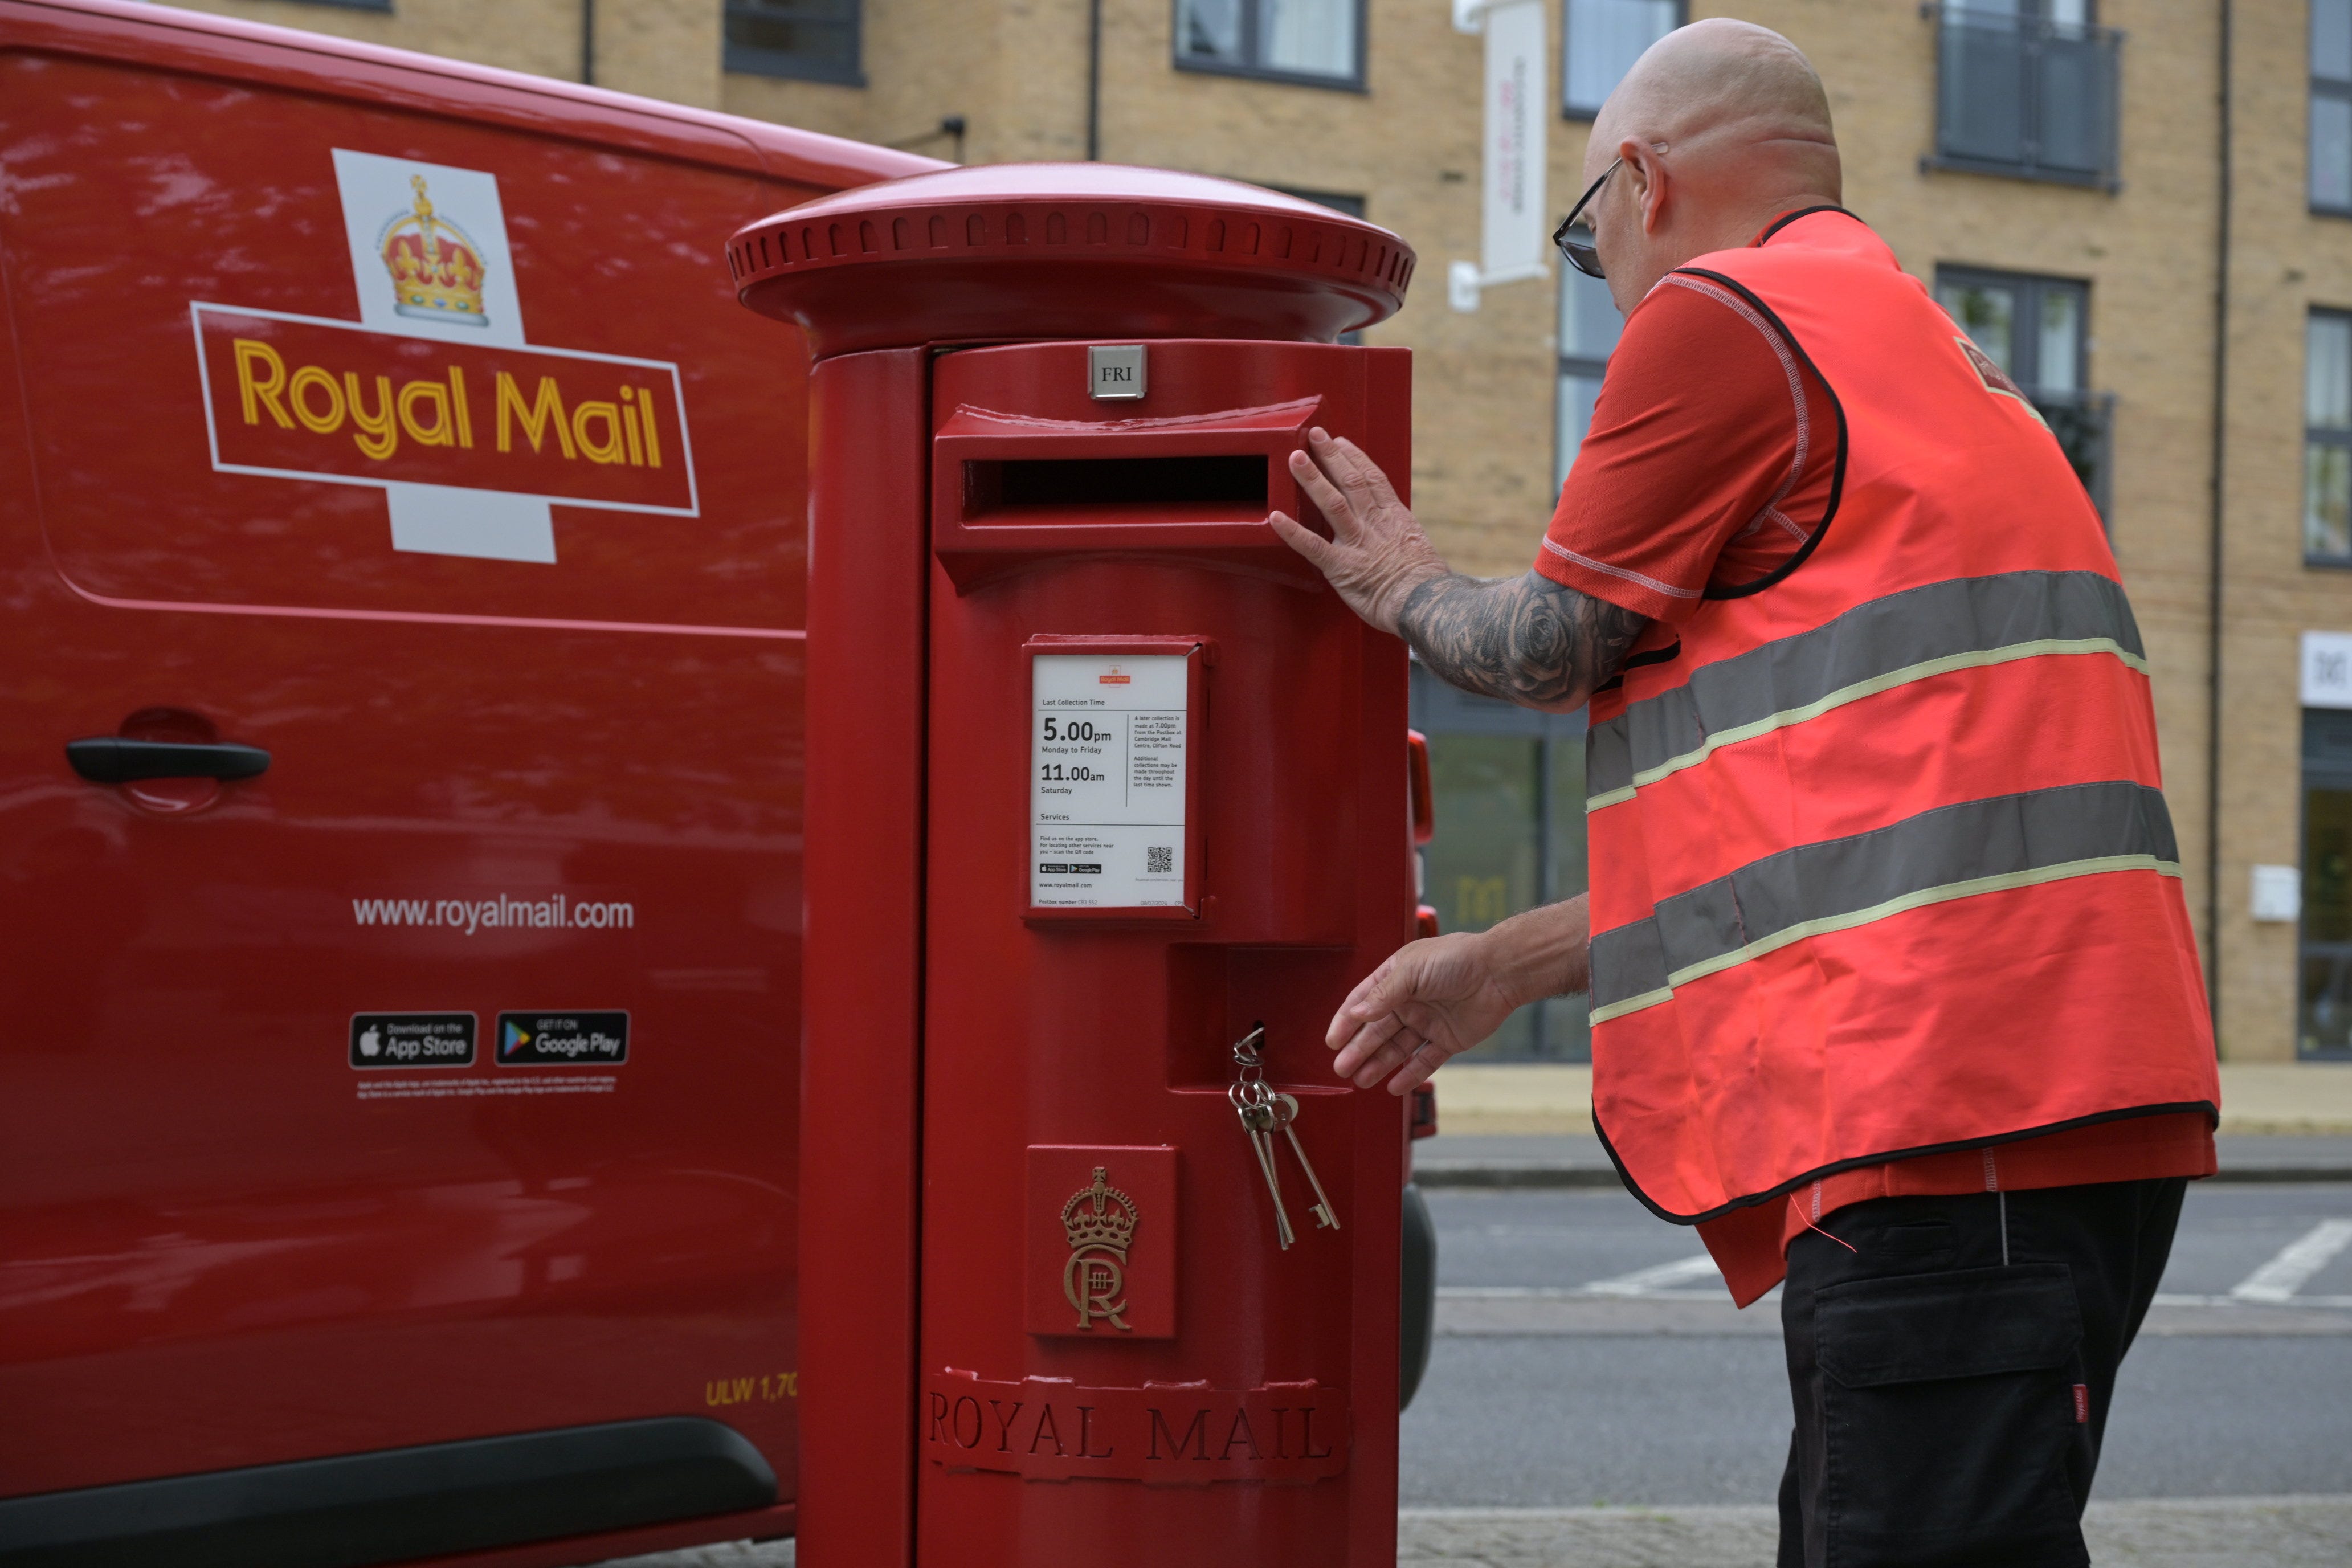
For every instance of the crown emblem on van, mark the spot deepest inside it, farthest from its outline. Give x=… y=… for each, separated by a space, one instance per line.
x=437 y=269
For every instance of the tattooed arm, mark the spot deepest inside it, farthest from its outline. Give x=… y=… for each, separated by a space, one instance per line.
x=1527 y=639
x=1523 y=639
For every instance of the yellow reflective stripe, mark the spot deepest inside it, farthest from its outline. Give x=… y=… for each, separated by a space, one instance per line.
x=1975 y=659
x=1922 y=898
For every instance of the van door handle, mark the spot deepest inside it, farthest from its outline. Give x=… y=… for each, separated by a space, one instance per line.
x=109 y=759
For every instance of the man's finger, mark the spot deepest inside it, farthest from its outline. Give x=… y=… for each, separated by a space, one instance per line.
x=1375 y=481
x=1419 y=1067
x=1367 y=1043
x=1360 y=1007
x=1335 y=507
x=1304 y=540
x=1340 y=459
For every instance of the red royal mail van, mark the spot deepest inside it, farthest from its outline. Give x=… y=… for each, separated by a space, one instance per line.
x=402 y=536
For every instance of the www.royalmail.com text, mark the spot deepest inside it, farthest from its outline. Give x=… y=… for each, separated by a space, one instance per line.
x=554 y=912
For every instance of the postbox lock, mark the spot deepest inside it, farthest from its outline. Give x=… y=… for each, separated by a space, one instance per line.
x=1115 y=372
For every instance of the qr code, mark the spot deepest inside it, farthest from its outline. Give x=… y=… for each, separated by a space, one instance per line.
x=1159 y=859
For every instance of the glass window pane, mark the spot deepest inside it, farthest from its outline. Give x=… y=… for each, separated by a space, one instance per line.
x=1589 y=322
x=1601 y=41
x=2064 y=13
x=1315 y=38
x=1988 y=313
x=2331 y=152
x=1578 y=394
x=1209 y=30
x=1482 y=863
x=1980 y=92
x=819 y=36
x=2326 y=501
x=2327 y=864
x=2071 y=77
x=2331 y=40
x=2059 y=359
x=2327 y=372
x=1569 y=873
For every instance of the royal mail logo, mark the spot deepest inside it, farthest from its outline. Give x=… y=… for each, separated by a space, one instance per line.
x=434 y=394
x=299 y=398
x=1113 y=676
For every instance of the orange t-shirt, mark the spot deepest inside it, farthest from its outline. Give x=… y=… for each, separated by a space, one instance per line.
x=1709 y=462
x=1709 y=465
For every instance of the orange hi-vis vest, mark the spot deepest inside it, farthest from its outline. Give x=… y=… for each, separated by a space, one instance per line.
x=1880 y=862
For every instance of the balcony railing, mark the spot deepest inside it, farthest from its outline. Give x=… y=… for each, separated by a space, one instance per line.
x=2020 y=96
x=2083 y=422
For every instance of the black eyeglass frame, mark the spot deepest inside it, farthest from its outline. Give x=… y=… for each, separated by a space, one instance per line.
x=1585 y=258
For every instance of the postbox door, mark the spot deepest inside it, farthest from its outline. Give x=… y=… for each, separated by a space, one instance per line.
x=1106 y=1296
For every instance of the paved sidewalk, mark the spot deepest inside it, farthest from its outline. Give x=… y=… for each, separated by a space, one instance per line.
x=2220 y=1532
x=2204 y=1533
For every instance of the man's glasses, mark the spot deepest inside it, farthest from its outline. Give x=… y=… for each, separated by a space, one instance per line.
x=1580 y=253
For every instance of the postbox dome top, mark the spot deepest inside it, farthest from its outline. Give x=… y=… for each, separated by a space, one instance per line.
x=1065 y=250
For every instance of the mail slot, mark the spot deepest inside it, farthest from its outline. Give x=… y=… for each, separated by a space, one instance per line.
x=1105 y=814
x=1206 y=489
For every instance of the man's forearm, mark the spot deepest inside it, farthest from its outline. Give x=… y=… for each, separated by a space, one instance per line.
x=1525 y=640
x=1547 y=951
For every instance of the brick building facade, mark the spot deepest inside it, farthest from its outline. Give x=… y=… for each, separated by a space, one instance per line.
x=2073 y=177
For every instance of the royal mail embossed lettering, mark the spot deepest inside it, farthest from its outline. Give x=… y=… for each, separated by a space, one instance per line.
x=1162 y=1434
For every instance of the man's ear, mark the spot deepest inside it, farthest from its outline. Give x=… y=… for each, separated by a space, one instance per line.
x=1651 y=182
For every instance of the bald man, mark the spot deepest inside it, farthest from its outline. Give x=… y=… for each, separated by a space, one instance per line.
x=1893 y=989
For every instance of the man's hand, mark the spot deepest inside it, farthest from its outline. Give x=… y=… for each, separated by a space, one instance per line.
x=1435 y=998
x=1432 y=1000
x=1376 y=555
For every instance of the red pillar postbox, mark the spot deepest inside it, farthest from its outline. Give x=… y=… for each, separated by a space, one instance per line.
x=1102 y=782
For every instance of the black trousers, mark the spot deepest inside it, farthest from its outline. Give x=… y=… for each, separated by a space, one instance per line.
x=1952 y=1372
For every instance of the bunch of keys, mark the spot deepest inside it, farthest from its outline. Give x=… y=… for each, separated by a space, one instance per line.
x=1264 y=1112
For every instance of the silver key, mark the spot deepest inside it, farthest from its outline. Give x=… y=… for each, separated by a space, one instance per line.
x=1258 y=1119
x=1286 y=1111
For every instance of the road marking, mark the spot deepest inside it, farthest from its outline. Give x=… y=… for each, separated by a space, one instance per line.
x=1658 y=1276
x=2298 y=1260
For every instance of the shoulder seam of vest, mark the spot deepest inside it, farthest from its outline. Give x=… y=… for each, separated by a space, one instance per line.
x=1804 y=552
x=1861 y=1162
x=1785 y=219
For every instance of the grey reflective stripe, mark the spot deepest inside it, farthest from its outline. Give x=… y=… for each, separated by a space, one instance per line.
x=1966 y=624
x=1952 y=852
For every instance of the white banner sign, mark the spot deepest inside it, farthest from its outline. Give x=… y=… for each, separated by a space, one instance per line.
x=1517 y=222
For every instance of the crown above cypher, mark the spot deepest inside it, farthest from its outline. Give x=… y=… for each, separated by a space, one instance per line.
x=1101 y=1224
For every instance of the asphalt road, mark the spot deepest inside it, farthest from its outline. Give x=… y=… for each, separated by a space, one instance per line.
x=1587 y=1354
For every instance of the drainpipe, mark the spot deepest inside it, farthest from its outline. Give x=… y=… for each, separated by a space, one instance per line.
x=2215 y=552
x=588 y=42
x=1094 y=81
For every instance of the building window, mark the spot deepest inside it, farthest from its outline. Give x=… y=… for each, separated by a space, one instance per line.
x=809 y=40
x=2038 y=329
x=2324 y=1025
x=1319 y=43
x=1599 y=41
x=2327 y=438
x=1509 y=787
x=1589 y=325
x=2026 y=88
x=2331 y=105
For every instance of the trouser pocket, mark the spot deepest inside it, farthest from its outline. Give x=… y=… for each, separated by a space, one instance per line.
x=1948 y=1408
